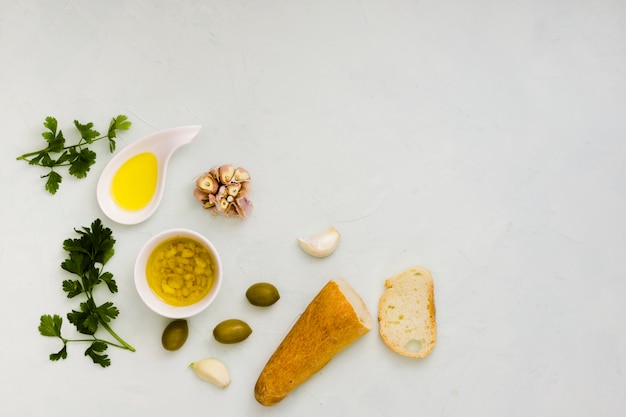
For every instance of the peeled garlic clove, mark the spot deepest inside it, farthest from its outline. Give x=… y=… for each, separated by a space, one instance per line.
x=322 y=244
x=223 y=204
x=207 y=184
x=233 y=189
x=245 y=189
x=241 y=174
x=207 y=204
x=212 y=370
x=226 y=173
x=215 y=172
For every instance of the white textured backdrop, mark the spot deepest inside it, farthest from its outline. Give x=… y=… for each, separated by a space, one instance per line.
x=483 y=140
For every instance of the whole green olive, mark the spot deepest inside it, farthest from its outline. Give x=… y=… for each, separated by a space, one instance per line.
x=262 y=294
x=232 y=331
x=175 y=334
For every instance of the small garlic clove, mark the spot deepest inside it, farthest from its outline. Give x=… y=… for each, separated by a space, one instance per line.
x=199 y=195
x=233 y=189
x=212 y=370
x=245 y=189
x=215 y=172
x=241 y=174
x=223 y=204
x=226 y=173
x=321 y=244
x=207 y=184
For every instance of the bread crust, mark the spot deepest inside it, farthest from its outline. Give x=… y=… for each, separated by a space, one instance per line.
x=406 y=313
x=328 y=325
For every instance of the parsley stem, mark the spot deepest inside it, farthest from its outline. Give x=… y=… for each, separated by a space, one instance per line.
x=104 y=324
x=95 y=339
x=26 y=155
x=119 y=339
x=82 y=142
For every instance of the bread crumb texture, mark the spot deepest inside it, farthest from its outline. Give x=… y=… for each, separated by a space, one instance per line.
x=406 y=313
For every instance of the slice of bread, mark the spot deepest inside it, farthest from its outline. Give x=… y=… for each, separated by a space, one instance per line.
x=334 y=319
x=406 y=313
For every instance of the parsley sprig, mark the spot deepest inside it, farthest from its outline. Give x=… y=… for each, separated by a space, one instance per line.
x=87 y=256
x=78 y=157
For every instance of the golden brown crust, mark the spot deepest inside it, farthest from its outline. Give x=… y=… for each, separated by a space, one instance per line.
x=328 y=325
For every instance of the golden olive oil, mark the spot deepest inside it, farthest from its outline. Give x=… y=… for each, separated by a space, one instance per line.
x=134 y=184
x=180 y=271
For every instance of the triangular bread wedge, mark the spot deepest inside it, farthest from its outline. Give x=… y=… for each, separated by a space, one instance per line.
x=406 y=313
x=334 y=319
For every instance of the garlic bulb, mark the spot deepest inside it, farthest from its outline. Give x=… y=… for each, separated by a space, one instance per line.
x=322 y=244
x=224 y=190
x=212 y=370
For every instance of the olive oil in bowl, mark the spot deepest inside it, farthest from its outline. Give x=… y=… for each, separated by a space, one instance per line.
x=134 y=184
x=178 y=273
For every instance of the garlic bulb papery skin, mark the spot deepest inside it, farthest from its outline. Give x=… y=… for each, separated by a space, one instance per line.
x=321 y=244
x=223 y=190
x=212 y=370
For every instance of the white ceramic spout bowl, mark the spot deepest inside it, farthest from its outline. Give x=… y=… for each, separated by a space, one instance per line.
x=162 y=144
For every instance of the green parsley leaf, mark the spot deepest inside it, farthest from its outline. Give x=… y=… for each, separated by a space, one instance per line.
x=120 y=122
x=36 y=160
x=72 y=288
x=95 y=353
x=107 y=311
x=50 y=325
x=64 y=158
x=46 y=161
x=97 y=242
x=62 y=354
x=102 y=241
x=51 y=125
x=75 y=263
x=107 y=277
x=85 y=320
x=86 y=131
x=81 y=164
x=53 y=182
x=55 y=139
x=57 y=143
x=76 y=246
x=92 y=278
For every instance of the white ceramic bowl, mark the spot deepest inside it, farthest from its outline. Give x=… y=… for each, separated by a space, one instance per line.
x=162 y=144
x=151 y=299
